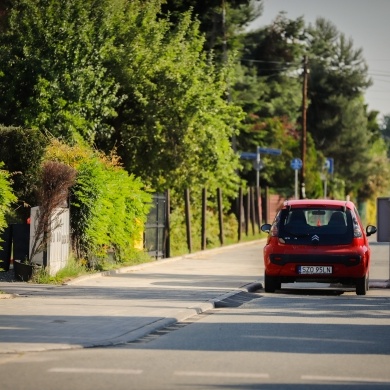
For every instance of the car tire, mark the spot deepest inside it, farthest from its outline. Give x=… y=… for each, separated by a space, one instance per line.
x=271 y=283
x=362 y=285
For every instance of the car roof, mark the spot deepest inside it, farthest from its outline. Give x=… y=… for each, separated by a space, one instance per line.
x=318 y=202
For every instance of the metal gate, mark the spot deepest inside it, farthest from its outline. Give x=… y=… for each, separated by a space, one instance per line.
x=155 y=228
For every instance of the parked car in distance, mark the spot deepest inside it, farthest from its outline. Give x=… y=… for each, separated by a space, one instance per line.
x=314 y=240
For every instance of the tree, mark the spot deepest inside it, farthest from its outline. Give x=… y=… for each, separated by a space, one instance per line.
x=174 y=129
x=269 y=88
x=52 y=73
x=385 y=132
x=221 y=21
x=337 y=113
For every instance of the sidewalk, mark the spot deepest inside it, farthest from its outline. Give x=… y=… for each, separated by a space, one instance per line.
x=122 y=306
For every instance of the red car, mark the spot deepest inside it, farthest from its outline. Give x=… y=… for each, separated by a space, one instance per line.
x=317 y=241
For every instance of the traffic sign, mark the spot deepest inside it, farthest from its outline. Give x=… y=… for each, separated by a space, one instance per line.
x=275 y=152
x=296 y=163
x=248 y=156
x=253 y=156
x=329 y=165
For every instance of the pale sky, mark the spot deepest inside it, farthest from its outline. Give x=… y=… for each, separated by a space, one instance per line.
x=366 y=22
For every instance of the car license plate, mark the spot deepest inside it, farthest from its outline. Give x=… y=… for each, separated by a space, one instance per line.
x=314 y=269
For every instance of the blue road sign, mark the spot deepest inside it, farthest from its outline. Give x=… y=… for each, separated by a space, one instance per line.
x=275 y=152
x=296 y=163
x=248 y=156
x=329 y=165
x=253 y=156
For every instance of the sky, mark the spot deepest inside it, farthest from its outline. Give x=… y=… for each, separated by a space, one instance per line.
x=366 y=22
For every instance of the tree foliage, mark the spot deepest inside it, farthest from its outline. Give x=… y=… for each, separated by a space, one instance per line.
x=270 y=86
x=172 y=86
x=116 y=74
x=21 y=151
x=7 y=197
x=337 y=113
x=174 y=129
x=221 y=21
x=52 y=74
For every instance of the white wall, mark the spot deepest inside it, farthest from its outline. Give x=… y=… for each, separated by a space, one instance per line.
x=59 y=246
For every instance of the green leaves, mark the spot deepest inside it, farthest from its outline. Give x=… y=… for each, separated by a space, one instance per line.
x=108 y=206
x=175 y=126
x=7 y=196
x=55 y=78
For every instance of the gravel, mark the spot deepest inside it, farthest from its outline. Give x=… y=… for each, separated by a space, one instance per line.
x=7 y=276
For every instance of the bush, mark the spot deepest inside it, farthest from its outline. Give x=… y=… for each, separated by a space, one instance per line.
x=22 y=152
x=6 y=197
x=108 y=207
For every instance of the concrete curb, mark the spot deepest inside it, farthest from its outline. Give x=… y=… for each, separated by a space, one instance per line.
x=379 y=284
x=7 y=296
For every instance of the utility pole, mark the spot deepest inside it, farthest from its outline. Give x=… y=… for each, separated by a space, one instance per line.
x=303 y=135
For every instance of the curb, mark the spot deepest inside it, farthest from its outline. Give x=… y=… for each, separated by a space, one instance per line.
x=379 y=284
x=8 y=296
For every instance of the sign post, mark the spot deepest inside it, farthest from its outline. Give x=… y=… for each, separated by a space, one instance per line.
x=296 y=164
x=327 y=169
x=258 y=165
x=383 y=222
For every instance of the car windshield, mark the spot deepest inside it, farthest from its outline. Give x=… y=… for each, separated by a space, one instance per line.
x=316 y=226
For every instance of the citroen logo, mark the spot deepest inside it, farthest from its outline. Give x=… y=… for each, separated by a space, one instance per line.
x=315 y=238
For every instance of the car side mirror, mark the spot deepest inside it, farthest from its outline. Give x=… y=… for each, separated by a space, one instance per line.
x=370 y=229
x=266 y=227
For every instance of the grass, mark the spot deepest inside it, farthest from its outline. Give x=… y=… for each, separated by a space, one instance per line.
x=74 y=269
x=183 y=250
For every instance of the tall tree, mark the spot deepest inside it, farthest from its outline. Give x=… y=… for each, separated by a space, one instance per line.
x=174 y=127
x=221 y=21
x=269 y=88
x=52 y=73
x=337 y=114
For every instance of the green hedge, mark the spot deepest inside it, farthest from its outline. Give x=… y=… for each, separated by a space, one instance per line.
x=108 y=207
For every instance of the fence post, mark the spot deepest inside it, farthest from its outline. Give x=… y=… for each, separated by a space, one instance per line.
x=266 y=204
x=167 y=224
x=220 y=215
x=204 y=207
x=258 y=208
x=239 y=213
x=188 y=218
x=252 y=205
x=247 y=211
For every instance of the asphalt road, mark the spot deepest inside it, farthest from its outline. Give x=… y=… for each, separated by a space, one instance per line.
x=197 y=322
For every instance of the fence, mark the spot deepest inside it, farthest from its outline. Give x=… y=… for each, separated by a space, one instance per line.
x=156 y=228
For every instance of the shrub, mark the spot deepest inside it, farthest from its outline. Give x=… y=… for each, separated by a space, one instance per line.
x=7 y=197
x=108 y=207
x=22 y=152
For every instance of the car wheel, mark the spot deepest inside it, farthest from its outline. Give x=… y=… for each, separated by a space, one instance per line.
x=271 y=283
x=362 y=285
